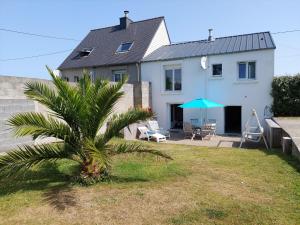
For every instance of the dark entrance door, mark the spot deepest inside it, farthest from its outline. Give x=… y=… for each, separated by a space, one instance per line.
x=233 y=119
x=176 y=116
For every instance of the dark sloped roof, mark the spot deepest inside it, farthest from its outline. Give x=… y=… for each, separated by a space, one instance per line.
x=222 y=45
x=105 y=42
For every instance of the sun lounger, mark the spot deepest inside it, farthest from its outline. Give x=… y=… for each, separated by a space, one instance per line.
x=145 y=133
x=153 y=126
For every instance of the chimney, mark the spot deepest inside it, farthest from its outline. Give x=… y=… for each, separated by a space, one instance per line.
x=124 y=21
x=210 y=37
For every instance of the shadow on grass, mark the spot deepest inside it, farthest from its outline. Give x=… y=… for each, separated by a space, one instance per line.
x=60 y=197
x=119 y=179
x=42 y=178
x=291 y=160
x=55 y=182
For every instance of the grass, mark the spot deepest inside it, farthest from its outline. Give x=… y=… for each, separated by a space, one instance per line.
x=200 y=186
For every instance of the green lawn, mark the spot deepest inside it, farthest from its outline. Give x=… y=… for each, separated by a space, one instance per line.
x=200 y=186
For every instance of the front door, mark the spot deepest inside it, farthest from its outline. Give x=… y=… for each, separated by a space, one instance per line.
x=176 y=116
x=233 y=119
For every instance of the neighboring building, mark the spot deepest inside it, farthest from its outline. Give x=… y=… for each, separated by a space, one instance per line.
x=239 y=73
x=114 y=51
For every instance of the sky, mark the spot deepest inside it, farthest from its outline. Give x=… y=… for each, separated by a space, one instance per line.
x=187 y=20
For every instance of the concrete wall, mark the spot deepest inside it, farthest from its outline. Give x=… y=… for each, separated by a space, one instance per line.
x=199 y=83
x=13 y=100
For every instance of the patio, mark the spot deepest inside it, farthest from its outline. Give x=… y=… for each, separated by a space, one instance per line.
x=177 y=137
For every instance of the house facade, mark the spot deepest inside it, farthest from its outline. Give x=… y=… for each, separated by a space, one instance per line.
x=114 y=51
x=235 y=71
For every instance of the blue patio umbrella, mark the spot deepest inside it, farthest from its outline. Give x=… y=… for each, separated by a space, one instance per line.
x=200 y=103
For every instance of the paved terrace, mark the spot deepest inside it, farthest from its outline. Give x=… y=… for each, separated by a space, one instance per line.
x=215 y=141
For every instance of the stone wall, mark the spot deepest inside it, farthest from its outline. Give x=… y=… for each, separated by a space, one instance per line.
x=13 y=100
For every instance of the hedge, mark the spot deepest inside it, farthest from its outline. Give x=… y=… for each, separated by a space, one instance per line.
x=286 y=95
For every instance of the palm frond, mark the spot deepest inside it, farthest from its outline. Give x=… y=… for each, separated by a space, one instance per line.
x=43 y=94
x=100 y=100
x=38 y=125
x=135 y=148
x=19 y=160
x=97 y=154
x=118 y=122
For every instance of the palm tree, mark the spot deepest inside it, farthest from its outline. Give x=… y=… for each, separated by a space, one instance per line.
x=76 y=114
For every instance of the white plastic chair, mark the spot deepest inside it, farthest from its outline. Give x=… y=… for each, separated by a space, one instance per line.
x=145 y=133
x=153 y=126
x=213 y=124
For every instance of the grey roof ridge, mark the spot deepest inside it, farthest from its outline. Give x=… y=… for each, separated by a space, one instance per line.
x=194 y=56
x=205 y=40
x=162 y=17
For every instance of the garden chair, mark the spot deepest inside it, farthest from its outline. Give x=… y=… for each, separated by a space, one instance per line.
x=195 y=123
x=145 y=133
x=206 y=131
x=189 y=131
x=213 y=123
x=153 y=126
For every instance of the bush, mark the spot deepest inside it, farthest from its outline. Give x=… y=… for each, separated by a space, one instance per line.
x=286 y=95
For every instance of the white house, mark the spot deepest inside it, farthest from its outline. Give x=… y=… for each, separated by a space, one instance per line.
x=238 y=74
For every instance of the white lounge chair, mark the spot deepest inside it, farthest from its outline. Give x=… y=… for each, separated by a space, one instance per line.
x=153 y=126
x=145 y=133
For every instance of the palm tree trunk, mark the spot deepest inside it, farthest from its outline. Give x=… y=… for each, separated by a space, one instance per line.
x=92 y=170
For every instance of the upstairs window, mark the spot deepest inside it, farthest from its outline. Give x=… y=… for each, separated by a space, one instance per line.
x=173 y=79
x=118 y=75
x=83 y=53
x=247 y=70
x=217 y=70
x=124 y=47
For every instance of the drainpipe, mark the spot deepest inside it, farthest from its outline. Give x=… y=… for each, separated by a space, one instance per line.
x=138 y=72
x=205 y=88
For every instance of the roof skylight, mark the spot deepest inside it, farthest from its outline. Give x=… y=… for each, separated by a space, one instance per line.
x=124 y=47
x=83 y=53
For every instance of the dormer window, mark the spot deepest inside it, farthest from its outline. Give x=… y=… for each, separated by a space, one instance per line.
x=124 y=47
x=83 y=53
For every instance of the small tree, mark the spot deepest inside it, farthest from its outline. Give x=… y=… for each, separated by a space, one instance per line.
x=76 y=114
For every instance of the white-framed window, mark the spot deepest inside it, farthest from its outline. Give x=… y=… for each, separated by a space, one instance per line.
x=118 y=75
x=66 y=79
x=247 y=70
x=92 y=75
x=172 y=78
x=124 y=47
x=217 y=70
x=76 y=79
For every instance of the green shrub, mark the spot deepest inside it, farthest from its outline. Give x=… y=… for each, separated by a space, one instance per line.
x=286 y=95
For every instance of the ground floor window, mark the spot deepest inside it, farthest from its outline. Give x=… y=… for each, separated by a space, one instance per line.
x=76 y=79
x=118 y=75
